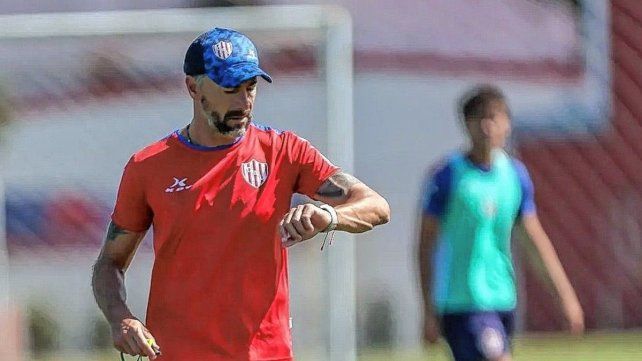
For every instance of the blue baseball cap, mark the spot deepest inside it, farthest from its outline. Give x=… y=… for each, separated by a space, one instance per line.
x=226 y=56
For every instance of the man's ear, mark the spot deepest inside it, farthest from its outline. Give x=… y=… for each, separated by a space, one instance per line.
x=193 y=88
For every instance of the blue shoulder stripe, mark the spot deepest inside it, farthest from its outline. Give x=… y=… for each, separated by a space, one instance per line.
x=265 y=128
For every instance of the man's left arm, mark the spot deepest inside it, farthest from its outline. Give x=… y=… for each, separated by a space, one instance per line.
x=358 y=209
x=541 y=251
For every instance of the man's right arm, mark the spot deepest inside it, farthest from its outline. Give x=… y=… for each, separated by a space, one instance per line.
x=427 y=240
x=108 y=283
x=437 y=191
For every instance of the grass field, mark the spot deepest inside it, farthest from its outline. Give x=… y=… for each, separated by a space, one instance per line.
x=593 y=347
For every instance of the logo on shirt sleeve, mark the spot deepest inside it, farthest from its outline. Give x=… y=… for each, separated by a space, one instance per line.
x=254 y=172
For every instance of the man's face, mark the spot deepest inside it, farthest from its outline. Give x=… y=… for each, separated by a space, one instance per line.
x=498 y=129
x=228 y=110
x=494 y=129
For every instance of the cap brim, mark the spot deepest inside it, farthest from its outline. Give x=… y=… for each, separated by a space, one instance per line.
x=236 y=74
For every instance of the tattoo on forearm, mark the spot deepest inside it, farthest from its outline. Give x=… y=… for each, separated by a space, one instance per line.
x=114 y=231
x=337 y=186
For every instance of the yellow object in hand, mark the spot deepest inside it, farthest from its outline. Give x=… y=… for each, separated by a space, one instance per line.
x=152 y=343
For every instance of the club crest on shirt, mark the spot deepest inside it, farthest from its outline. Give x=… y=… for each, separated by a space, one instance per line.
x=490 y=208
x=254 y=172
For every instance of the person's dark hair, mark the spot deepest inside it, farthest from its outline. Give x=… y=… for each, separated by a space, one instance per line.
x=481 y=102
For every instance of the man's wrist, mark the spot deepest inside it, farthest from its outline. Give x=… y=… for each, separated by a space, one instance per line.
x=429 y=309
x=117 y=318
x=334 y=218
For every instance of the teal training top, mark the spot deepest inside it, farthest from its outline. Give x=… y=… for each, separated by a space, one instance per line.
x=477 y=209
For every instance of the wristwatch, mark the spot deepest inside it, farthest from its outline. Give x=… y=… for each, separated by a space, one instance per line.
x=334 y=219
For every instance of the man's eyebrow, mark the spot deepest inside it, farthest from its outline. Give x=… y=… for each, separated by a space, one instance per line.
x=252 y=82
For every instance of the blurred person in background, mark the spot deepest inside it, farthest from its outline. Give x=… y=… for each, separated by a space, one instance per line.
x=473 y=201
x=218 y=194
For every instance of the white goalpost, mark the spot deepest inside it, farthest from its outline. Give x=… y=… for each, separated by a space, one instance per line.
x=329 y=26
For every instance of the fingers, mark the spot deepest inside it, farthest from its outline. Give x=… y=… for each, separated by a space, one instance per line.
x=143 y=345
x=134 y=339
x=297 y=225
x=306 y=219
x=121 y=344
x=577 y=326
x=289 y=243
x=131 y=342
x=289 y=226
x=288 y=232
x=577 y=329
x=431 y=330
x=123 y=347
x=296 y=220
x=574 y=317
x=432 y=335
x=434 y=338
x=152 y=342
x=301 y=221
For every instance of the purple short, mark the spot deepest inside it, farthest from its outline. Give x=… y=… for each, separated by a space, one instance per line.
x=478 y=336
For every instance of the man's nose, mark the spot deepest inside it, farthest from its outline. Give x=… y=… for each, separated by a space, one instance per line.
x=243 y=100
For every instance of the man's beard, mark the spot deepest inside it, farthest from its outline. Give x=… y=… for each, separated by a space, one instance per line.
x=215 y=122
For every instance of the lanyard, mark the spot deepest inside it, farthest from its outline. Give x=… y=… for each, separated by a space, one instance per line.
x=122 y=357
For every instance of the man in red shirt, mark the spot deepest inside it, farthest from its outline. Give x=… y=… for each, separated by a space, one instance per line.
x=218 y=193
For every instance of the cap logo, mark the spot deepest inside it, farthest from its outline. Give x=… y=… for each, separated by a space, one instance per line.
x=222 y=49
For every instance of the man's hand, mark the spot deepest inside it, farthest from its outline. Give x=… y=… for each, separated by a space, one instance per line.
x=131 y=337
x=302 y=223
x=431 y=331
x=574 y=316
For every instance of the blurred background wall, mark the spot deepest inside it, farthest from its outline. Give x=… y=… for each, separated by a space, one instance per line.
x=569 y=68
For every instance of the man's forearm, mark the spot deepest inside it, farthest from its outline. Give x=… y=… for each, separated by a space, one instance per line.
x=555 y=271
x=545 y=255
x=359 y=208
x=426 y=274
x=425 y=277
x=427 y=240
x=362 y=214
x=108 y=283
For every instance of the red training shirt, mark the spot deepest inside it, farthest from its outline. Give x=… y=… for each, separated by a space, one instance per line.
x=219 y=286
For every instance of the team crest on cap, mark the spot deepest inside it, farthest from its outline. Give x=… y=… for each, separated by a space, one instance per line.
x=254 y=172
x=222 y=49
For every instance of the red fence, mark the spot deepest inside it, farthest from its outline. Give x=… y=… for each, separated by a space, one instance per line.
x=589 y=194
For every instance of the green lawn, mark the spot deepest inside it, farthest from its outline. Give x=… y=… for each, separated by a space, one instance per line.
x=593 y=347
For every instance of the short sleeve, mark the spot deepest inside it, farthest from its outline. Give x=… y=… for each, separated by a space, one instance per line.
x=527 y=204
x=436 y=191
x=132 y=212
x=312 y=167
